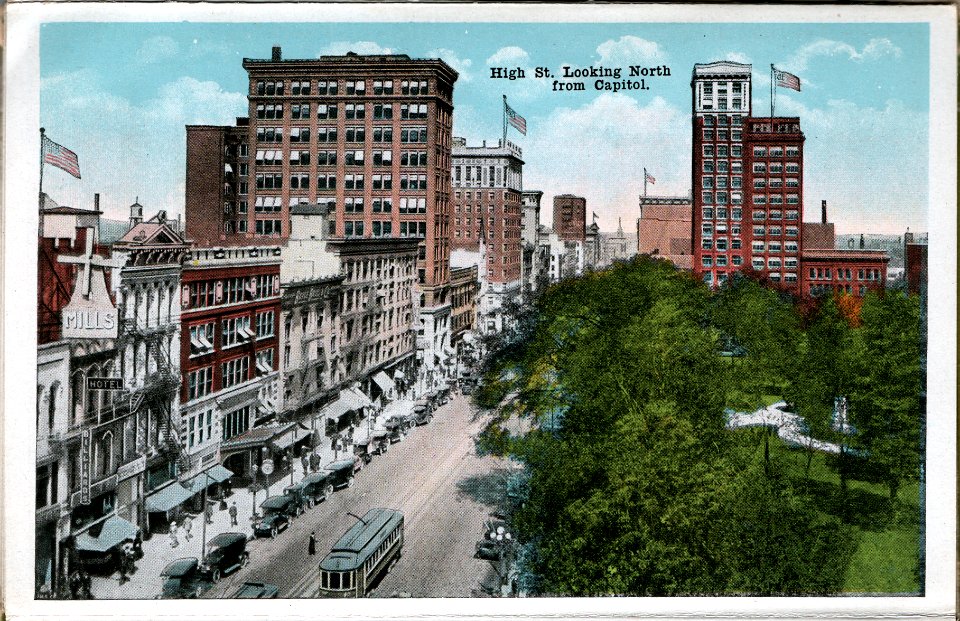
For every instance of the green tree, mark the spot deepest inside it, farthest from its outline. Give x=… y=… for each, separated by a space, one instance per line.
x=885 y=401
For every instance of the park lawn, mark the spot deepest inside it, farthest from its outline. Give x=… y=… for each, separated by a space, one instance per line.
x=888 y=539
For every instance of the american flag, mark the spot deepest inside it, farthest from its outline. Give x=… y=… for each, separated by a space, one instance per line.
x=648 y=177
x=515 y=119
x=786 y=80
x=61 y=157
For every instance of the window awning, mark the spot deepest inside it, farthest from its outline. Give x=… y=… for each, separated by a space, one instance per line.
x=336 y=409
x=383 y=381
x=115 y=531
x=168 y=498
x=217 y=474
x=356 y=398
x=285 y=439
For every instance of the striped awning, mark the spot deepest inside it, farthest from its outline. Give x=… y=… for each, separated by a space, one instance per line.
x=383 y=381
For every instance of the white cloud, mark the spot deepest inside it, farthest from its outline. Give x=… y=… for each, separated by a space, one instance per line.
x=738 y=57
x=599 y=151
x=629 y=49
x=358 y=47
x=874 y=49
x=460 y=65
x=511 y=55
x=869 y=163
x=156 y=49
x=128 y=150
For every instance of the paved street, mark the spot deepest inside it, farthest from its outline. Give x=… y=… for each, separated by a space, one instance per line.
x=434 y=477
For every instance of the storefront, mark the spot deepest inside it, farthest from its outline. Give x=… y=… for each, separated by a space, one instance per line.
x=98 y=547
x=216 y=482
x=164 y=505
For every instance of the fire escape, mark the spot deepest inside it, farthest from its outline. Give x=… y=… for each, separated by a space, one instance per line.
x=159 y=387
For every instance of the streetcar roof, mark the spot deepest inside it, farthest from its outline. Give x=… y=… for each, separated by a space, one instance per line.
x=356 y=545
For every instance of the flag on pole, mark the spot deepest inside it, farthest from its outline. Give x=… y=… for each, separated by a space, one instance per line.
x=515 y=119
x=61 y=157
x=786 y=80
x=648 y=177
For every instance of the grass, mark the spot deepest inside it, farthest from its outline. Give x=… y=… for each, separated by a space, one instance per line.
x=888 y=533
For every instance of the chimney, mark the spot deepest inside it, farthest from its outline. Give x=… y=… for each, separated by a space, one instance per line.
x=276 y=54
x=96 y=201
x=823 y=211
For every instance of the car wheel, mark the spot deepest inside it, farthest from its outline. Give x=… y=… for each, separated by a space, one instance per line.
x=350 y=482
x=328 y=490
x=273 y=532
x=244 y=559
x=215 y=576
x=309 y=503
x=198 y=592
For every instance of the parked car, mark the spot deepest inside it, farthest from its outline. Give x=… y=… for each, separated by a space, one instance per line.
x=365 y=450
x=422 y=412
x=277 y=511
x=381 y=441
x=488 y=550
x=183 y=579
x=397 y=425
x=226 y=552
x=468 y=385
x=257 y=590
x=315 y=487
x=341 y=472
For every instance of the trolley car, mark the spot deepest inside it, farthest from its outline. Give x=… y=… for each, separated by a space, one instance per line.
x=363 y=555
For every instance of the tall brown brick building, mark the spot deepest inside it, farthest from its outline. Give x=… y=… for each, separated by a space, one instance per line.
x=368 y=137
x=570 y=217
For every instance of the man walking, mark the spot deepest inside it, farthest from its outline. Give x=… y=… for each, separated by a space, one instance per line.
x=187 y=527
x=208 y=512
x=173 y=534
x=312 y=544
x=233 y=513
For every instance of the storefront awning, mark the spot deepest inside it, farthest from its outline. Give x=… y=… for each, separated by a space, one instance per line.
x=168 y=498
x=217 y=474
x=115 y=531
x=356 y=399
x=287 y=438
x=336 y=409
x=383 y=381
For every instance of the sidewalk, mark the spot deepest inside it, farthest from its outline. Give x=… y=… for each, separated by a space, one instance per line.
x=146 y=582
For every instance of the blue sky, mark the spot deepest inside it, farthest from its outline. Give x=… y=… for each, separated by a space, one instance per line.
x=119 y=94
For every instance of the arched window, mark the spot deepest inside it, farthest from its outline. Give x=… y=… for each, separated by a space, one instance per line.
x=39 y=405
x=52 y=407
x=103 y=455
x=78 y=393
x=106 y=396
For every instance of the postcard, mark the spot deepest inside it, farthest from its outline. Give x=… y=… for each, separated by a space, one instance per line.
x=576 y=311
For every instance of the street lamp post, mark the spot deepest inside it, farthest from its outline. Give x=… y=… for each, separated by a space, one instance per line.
x=203 y=544
x=253 y=486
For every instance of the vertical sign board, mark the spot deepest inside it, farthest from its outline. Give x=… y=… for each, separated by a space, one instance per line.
x=85 y=467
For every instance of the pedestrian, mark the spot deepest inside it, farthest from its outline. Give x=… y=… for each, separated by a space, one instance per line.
x=137 y=546
x=314 y=462
x=173 y=534
x=312 y=544
x=208 y=512
x=233 y=513
x=87 y=581
x=305 y=463
x=122 y=562
x=187 y=527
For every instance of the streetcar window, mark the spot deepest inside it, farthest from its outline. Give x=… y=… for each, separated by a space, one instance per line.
x=324 y=580
x=334 y=580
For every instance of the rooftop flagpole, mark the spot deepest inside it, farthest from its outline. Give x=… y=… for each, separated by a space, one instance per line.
x=40 y=196
x=773 y=92
x=504 y=111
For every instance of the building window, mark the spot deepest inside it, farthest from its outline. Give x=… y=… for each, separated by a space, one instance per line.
x=235 y=371
x=235 y=423
x=265 y=324
x=353 y=228
x=264 y=362
x=326 y=111
x=201 y=339
x=199 y=383
x=235 y=330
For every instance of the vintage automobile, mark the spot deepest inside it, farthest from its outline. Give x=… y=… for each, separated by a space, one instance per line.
x=381 y=440
x=468 y=385
x=422 y=412
x=183 y=579
x=314 y=488
x=341 y=472
x=277 y=511
x=488 y=550
x=226 y=552
x=364 y=450
x=257 y=590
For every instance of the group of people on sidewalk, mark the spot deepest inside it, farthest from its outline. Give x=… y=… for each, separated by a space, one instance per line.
x=186 y=525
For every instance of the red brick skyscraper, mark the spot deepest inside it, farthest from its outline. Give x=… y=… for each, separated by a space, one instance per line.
x=570 y=217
